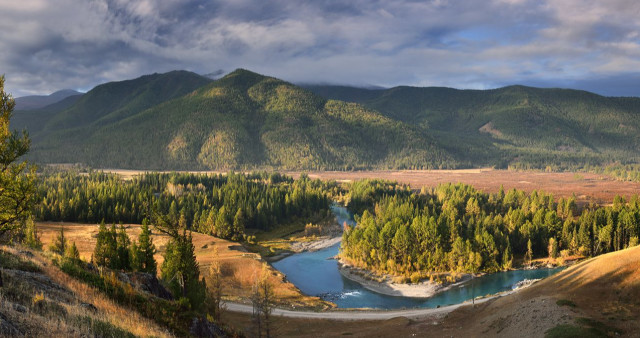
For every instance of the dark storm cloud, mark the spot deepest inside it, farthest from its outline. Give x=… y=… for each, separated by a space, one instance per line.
x=49 y=45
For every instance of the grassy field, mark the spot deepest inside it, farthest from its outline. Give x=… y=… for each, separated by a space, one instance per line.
x=239 y=268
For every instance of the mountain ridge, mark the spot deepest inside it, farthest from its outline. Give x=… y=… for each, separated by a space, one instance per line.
x=181 y=120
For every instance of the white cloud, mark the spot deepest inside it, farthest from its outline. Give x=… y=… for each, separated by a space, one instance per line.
x=49 y=45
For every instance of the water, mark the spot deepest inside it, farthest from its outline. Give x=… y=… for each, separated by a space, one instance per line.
x=316 y=274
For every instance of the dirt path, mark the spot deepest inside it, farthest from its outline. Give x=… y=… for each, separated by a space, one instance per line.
x=358 y=314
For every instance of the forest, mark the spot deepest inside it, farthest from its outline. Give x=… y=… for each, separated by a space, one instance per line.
x=455 y=227
x=223 y=205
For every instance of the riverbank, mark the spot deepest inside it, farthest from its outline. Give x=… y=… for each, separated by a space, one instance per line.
x=385 y=285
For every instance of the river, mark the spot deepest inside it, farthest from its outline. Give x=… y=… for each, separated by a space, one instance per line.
x=316 y=274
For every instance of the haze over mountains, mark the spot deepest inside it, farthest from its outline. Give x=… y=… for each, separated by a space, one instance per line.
x=181 y=120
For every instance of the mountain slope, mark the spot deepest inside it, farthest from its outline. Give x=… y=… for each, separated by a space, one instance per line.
x=114 y=101
x=245 y=120
x=180 y=120
x=40 y=101
x=519 y=124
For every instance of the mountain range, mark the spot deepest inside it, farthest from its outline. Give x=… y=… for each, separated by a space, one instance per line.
x=244 y=120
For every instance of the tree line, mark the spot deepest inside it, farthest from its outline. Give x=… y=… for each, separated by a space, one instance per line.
x=222 y=205
x=455 y=227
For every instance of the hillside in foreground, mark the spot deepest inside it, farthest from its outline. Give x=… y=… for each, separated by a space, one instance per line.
x=598 y=297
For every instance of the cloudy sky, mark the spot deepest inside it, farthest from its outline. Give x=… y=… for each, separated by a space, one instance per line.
x=47 y=45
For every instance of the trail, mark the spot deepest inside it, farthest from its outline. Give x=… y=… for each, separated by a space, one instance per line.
x=355 y=314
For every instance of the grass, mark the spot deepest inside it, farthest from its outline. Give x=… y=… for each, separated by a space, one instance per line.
x=10 y=261
x=239 y=267
x=586 y=328
x=277 y=241
x=54 y=302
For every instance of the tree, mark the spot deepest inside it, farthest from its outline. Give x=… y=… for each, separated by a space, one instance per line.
x=123 y=242
x=553 y=247
x=59 y=244
x=142 y=257
x=105 y=252
x=72 y=252
x=31 y=238
x=17 y=179
x=181 y=270
x=529 y=255
x=238 y=225
x=214 y=287
x=262 y=299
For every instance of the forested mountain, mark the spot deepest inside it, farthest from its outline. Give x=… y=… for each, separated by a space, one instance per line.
x=514 y=125
x=180 y=120
x=242 y=120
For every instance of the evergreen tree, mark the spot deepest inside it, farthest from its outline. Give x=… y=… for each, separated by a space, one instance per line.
x=17 y=179
x=529 y=255
x=31 y=238
x=122 y=249
x=553 y=248
x=181 y=270
x=105 y=252
x=72 y=252
x=143 y=252
x=59 y=244
x=238 y=225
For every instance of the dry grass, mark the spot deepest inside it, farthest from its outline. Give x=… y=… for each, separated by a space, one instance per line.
x=63 y=326
x=588 y=187
x=240 y=268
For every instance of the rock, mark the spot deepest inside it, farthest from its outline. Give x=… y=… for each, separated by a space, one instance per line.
x=89 y=306
x=201 y=327
x=148 y=283
x=7 y=328
x=19 y=308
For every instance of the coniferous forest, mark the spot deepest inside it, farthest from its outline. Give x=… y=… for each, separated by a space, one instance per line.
x=455 y=227
x=220 y=205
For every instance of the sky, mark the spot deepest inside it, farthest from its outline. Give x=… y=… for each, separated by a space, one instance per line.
x=48 y=45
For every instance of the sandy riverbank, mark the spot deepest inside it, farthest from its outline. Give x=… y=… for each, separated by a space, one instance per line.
x=424 y=289
x=319 y=244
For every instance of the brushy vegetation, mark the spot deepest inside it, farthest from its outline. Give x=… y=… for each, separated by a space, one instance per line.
x=586 y=328
x=458 y=228
x=565 y=302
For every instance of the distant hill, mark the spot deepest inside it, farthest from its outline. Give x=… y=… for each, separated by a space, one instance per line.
x=516 y=124
x=244 y=120
x=41 y=101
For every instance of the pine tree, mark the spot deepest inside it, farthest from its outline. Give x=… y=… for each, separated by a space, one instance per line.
x=105 y=252
x=238 y=225
x=31 y=238
x=59 y=245
x=17 y=179
x=122 y=248
x=181 y=270
x=144 y=251
x=529 y=255
x=72 y=252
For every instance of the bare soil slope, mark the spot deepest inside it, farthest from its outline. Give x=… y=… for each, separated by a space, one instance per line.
x=605 y=289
